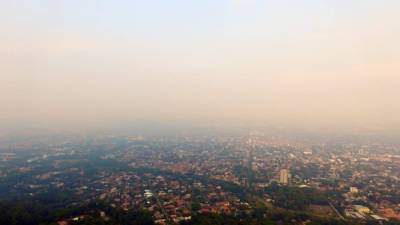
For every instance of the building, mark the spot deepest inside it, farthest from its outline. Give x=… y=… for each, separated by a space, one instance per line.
x=362 y=209
x=354 y=190
x=284 y=176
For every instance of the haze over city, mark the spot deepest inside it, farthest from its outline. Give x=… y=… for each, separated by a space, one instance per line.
x=99 y=64
x=223 y=112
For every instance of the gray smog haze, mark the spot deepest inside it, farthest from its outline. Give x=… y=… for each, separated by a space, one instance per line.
x=88 y=64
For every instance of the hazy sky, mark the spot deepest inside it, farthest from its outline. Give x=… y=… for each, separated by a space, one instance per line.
x=78 y=63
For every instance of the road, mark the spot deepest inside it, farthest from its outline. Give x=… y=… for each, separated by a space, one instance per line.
x=166 y=216
x=336 y=211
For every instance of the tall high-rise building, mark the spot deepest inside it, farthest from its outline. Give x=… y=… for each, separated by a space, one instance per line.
x=284 y=176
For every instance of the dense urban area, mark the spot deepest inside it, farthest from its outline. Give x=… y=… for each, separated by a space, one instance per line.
x=198 y=179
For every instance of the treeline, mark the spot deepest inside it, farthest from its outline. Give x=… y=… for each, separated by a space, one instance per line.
x=280 y=217
x=268 y=219
x=30 y=213
x=295 y=198
x=24 y=213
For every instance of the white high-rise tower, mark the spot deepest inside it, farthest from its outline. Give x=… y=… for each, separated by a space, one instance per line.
x=284 y=176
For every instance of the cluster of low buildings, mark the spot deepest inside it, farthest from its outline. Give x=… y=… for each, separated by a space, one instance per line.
x=365 y=176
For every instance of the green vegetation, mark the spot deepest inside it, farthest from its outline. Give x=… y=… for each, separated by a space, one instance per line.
x=295 y=198
x=28 y=213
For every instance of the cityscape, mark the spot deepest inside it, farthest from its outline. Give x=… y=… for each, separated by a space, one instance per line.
x=252 y=178
x=199 y=112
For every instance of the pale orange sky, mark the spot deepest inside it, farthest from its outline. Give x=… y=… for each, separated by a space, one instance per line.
x=232 y=62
